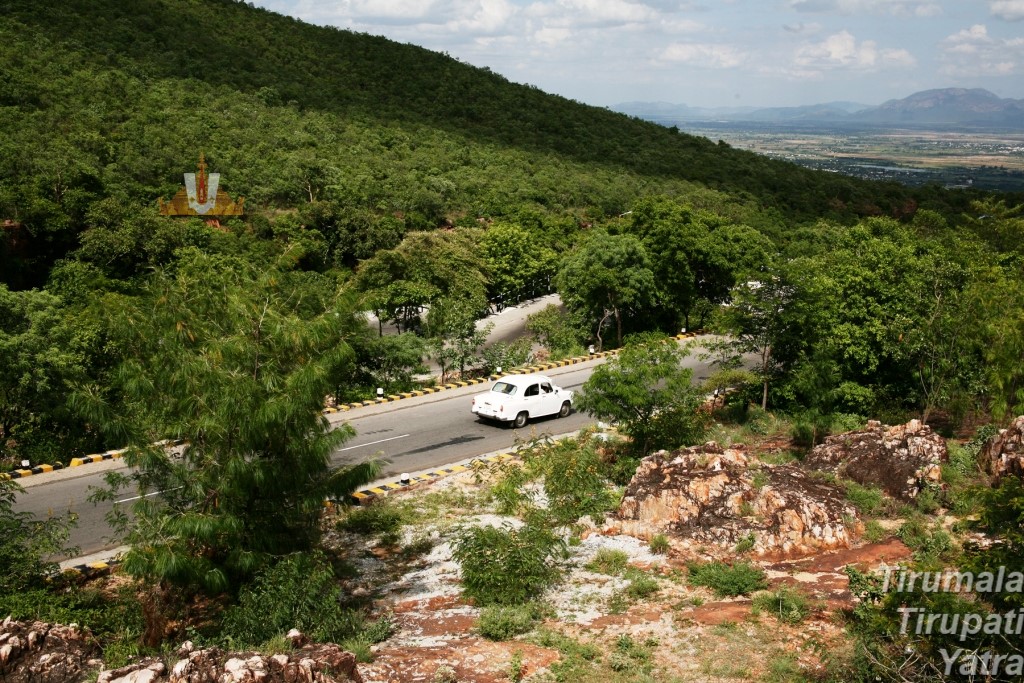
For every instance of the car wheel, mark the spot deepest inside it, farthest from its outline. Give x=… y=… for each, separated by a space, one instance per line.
x=520 y=420
x=565 y=409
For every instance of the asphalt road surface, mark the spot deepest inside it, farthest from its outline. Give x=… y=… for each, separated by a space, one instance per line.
x=412 y=434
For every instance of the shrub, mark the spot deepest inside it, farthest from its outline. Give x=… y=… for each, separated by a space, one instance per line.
x=371 y=520
x=927 y=544
x=298 y=591
x=810 y=428
x=746 y=543
x=507 y=566
x=573 y=481
x=927 y=501
x=501 y=622
x=725 y=580
x=785 y=604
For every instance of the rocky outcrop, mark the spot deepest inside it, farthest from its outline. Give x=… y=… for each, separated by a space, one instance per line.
x=1003 y=454
x=901 y=460
x=709 y=495
x=45 y=653
x=40 y=652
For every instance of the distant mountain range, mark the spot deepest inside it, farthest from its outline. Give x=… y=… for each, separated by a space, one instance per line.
x=973 y=107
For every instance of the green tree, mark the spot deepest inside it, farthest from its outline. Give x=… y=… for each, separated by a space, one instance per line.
x=759 y=319
x=649 y=394
x=220 y=359
x=608 y=276
x=453 y=335
x=426 y=267
x=553 y=328
x=27 y=543
x=42 y=356
x=515 y=260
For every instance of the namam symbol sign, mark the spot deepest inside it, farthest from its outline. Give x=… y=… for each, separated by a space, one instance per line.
x=201 y=196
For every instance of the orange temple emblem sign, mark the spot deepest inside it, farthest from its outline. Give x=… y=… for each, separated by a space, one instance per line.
x=201 y=196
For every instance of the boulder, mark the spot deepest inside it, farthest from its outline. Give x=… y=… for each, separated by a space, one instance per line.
x=901 y=460
x=44 y=653
x=1003 y=454
x=713 y=496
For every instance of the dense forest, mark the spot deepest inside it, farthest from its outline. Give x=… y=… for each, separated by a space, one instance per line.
x=413 y=178
x=384 y=178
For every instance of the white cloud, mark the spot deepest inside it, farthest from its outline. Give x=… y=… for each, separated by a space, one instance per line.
x=900 y=8
x=842 y=51
x=703 y=55
x=1009 y=10
x=973 y=53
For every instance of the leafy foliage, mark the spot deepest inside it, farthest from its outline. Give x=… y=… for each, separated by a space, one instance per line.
x=26 y=543
x=296 y=591
x=507 y=566
x=725 y=580
x=645 y=389
x=222 y=359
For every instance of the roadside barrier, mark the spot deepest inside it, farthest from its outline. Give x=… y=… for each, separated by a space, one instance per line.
x=345 y=407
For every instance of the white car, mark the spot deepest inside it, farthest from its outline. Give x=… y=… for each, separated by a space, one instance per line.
x=518 y=398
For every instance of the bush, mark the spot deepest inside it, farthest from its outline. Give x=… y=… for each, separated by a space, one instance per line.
x=506 y=355
x=507 y=566
x=299 y=591
x=726 y=580
x=927 y=544
x=574 y=483
x=810 y=428
x=371 y=520
x=746 y=543
x=25 y=543
x=501 y=622
x=785 y=604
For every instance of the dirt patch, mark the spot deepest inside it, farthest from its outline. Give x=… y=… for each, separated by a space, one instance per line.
x=469 y=661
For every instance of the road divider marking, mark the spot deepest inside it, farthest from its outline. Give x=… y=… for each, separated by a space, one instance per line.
x=372 y=443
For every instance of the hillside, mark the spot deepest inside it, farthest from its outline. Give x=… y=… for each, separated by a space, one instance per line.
x=290 y=113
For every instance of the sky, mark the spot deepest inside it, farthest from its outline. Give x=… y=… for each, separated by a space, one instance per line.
x=708 y=53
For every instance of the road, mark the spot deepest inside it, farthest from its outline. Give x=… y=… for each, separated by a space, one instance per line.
x=412 y=434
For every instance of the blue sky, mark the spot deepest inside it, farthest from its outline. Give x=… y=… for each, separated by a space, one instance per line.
x=708 y=53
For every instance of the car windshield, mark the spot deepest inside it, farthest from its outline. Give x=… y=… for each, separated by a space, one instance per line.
x=504 y=388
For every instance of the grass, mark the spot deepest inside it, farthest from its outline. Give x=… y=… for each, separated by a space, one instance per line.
x=869 y=500
x=874 y=532
x=659 y=544
x=502 y=622
x=609 y=561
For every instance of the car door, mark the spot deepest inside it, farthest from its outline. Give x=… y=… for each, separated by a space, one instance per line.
x=532 y=400
x=551 y=400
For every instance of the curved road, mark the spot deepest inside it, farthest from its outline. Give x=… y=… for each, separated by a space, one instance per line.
x=412 y=434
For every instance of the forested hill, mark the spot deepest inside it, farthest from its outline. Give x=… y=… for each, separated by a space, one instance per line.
x=228 y=45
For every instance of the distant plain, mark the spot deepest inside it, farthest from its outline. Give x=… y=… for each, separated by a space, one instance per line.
x=986 y=159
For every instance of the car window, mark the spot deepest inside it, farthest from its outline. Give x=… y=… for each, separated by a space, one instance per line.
x=504 y=388
x=545 y=387
x=534 y=390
